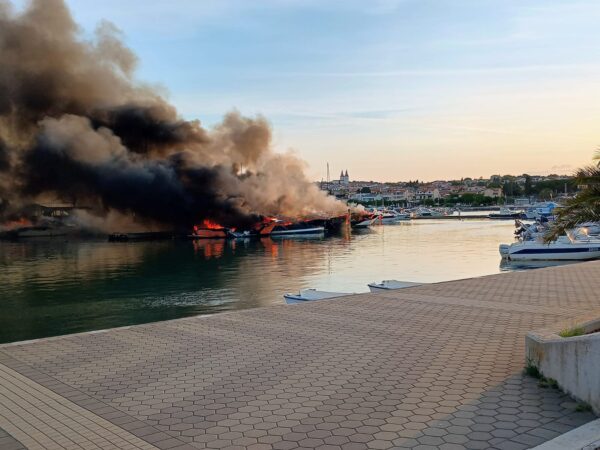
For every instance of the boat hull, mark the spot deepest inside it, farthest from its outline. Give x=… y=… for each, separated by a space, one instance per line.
x=391 y=220
x=363 y=223
x=552 y=252
x=298 y=232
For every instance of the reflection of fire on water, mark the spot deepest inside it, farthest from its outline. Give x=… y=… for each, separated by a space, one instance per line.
x=210 y=248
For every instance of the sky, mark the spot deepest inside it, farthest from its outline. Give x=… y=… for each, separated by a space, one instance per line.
x=388 y=89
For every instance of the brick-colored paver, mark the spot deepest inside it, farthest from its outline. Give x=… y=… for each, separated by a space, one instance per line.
x=8 y=442
x=40 y=418
x=436 y=366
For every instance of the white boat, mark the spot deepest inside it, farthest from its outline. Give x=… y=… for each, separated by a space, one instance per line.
x=506 y=213
x=387 y=285
x=402 y=216
x=296 y=229
x=542 y=209
x=425 y=212
x=364 y=223
x=563 y=249
x=311 y=294
x=389 y=216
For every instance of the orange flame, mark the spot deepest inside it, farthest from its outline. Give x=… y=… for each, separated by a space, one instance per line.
x=206 y=223
x=13 y=224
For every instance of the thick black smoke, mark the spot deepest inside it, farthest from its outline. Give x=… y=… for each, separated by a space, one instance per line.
x=4 y=157
x=76 y=127
x=147 y=129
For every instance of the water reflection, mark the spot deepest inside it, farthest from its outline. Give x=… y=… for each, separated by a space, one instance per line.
x=55 y=287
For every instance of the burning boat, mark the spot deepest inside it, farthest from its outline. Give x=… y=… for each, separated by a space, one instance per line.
x=331 y=224
x=282 y=228
x=270 y=226
x=210 y=230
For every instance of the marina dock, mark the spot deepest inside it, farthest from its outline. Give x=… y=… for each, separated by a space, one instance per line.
x=455 y=217
x=437 y=366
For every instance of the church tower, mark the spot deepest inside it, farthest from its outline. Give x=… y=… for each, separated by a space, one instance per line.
x=345 y=179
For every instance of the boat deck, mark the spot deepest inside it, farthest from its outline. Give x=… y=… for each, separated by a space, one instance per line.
x=434 y=366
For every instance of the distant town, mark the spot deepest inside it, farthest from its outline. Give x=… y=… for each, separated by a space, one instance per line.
x=496 y=190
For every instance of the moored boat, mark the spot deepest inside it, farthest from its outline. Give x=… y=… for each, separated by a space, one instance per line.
x=209 y=233
x=402 y=216
x=563 y=249
x=295 y=229
x=311 y=294
x=362 y=220
x=421 y=211
x=390 y=216
x=542 y=209
x=506 y=213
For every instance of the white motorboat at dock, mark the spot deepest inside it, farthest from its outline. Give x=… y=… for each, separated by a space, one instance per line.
x=387 y=285
x=422 y=212
x=563 y=249
x=507 y=213
x=311 y=294
x=362 y=220
x=390 y=216
x=579 y=244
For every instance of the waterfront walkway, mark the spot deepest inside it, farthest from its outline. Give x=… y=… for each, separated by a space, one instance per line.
x=436 y=366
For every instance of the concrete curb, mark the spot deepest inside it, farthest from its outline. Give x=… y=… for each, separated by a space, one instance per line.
x=574 y=362
x=586 y=437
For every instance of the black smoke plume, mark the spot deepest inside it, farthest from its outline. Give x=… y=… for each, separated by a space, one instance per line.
x=76 y=127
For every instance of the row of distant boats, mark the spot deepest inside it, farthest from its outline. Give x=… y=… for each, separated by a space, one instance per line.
x=534 y=212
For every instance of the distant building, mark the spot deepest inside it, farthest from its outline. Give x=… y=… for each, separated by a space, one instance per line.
x=344 y=178
x=493 y=192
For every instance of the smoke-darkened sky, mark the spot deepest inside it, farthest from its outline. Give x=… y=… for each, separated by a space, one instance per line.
x=390 y=89
x=77 y=125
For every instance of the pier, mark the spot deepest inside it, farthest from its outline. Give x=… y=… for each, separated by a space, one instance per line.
x=456 y=217
x=431 y=367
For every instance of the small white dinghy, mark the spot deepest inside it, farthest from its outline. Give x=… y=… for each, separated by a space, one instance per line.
x=387 y=285
x=311 y=294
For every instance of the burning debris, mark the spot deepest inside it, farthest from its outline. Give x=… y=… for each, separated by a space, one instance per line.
x=76 y=127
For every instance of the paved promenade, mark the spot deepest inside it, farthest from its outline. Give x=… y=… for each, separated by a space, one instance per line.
x=430 y=367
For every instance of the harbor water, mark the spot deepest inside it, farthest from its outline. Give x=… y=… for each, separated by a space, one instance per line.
x=55 y=286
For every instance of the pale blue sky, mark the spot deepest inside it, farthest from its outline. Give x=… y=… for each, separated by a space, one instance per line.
x=389 y=89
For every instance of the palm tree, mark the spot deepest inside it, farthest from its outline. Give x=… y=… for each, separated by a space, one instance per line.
x=584 y=207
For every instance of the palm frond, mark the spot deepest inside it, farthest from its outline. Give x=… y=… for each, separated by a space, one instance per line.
x=584 y=207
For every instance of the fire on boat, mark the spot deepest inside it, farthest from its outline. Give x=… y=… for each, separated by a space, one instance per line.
x=270 y=226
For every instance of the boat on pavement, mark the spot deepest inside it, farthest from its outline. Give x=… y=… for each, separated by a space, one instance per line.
x=387 y=285
x=310 y=295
